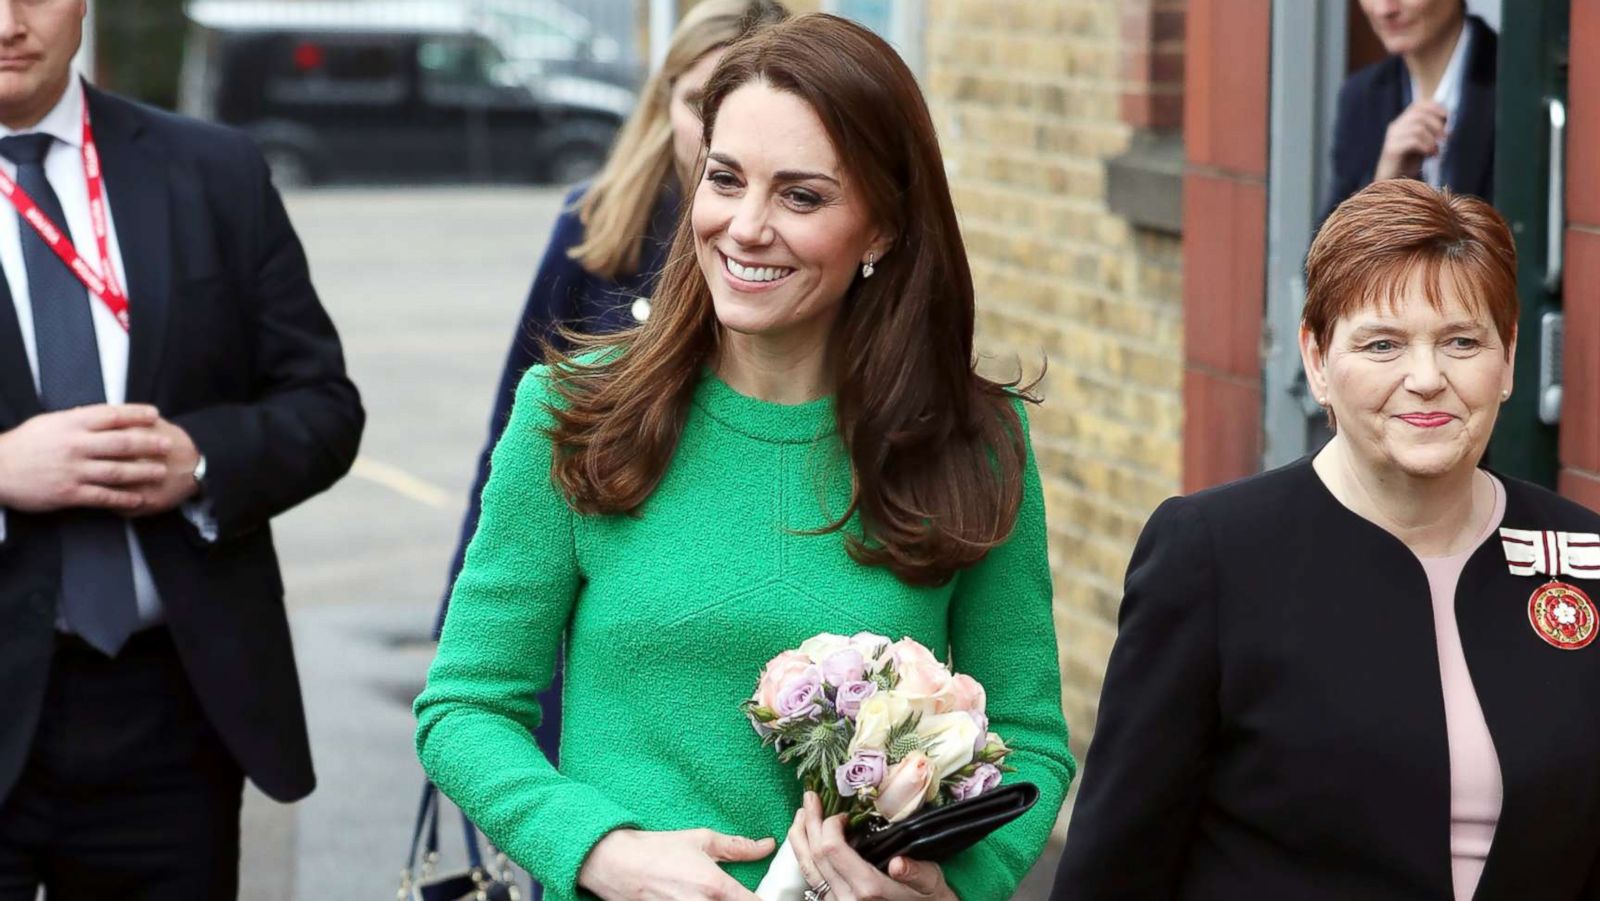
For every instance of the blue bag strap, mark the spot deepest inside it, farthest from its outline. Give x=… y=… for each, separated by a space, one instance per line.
x=428 y=824
x=430 y=796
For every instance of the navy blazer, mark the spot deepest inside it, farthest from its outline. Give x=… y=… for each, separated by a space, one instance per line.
x=1272 y=723
x=228 y=340
x=566 y=294
x=1376 y=95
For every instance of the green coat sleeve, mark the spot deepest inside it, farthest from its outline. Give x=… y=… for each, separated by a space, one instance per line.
x=1002 y=633
x=507 y=614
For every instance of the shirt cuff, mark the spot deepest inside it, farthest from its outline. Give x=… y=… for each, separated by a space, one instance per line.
x=198 y=512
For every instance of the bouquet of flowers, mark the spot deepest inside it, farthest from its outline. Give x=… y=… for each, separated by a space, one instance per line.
x=880 y=730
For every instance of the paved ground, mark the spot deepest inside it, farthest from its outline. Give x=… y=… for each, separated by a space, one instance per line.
x=425 y=286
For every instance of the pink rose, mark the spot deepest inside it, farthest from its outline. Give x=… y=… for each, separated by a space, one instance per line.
x=909 y=650
x=922 y=681
x=782 y=670
x=904 y=787
x=962 y=693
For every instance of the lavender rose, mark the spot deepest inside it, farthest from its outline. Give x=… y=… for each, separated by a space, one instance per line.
x=864 y=770
x=851 y=694
x=843 y=666
x=983 y=732
x=801 y=697
x=985 y=778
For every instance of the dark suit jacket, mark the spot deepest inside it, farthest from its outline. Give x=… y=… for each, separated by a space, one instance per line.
x=230 y=342
x=1373 y=97
x=1272 y=723
x=564 y=294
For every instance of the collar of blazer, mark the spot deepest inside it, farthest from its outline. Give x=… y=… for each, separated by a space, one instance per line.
x=1544 y=723
x=1468 y=163
x=137 y=191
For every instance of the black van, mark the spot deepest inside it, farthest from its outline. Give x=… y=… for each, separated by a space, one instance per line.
x=350 y=91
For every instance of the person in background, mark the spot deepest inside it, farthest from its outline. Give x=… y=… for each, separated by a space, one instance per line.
x=610 y=242
x=160 y=403
x=1427 y=110
x=1361 y=675
x=797 y=442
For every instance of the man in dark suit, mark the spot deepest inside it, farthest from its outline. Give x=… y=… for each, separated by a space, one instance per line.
x=169 y=382
x=1425 y=111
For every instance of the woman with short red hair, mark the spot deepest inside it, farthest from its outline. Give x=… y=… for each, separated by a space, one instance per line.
x=1366 y=674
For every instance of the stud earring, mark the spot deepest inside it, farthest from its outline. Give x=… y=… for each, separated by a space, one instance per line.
x=1505 y=395
x=866 y=268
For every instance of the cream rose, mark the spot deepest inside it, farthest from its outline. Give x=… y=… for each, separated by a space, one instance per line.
x=950 y=738
x=872 y=645
x=879 y=714
x=820 y=647
x=904 y=788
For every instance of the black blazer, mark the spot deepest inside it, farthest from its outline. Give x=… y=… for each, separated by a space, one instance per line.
x=1272 y=723
x=1376 y=95
x=230 y=342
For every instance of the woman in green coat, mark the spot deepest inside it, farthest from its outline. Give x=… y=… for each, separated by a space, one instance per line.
x=796 y=442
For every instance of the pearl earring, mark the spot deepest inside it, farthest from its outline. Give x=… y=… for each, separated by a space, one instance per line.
x=1505 y=395
x=866 y=268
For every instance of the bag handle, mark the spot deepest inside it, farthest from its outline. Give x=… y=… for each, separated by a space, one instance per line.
x=425 y=840
x=425 y=834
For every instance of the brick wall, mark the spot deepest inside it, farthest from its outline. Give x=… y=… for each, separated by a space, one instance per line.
x=1030 y=97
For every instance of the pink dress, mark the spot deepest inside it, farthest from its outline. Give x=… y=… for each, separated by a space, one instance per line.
x=1475 y=788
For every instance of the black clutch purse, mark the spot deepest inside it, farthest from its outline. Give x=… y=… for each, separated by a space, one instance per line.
x=476 y=883
x=943 y=832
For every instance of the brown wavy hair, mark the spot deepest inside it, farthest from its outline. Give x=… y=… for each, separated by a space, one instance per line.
x=936 y=450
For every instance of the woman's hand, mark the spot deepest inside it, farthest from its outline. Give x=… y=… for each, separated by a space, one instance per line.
x=825 y=857
x=1412 y=137
x=669 y=866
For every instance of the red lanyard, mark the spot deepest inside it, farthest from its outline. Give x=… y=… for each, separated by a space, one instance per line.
x=102 y=284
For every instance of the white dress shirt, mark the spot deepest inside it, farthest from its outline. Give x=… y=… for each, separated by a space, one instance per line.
x=1448 y=95
x=63 y=167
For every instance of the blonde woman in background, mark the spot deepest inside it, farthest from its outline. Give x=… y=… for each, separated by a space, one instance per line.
x=611 y=240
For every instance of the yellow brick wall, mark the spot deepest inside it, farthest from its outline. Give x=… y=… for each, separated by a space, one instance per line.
x=1026 y=95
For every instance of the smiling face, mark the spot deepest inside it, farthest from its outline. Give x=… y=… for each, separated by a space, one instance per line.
x=780 y=232
x=1405 y=26
x=1414 y=389
x=38 y=39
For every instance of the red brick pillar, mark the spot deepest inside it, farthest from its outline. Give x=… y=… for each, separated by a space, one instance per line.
x=1580 y=402
x=1224 y=237
x=1152 y=64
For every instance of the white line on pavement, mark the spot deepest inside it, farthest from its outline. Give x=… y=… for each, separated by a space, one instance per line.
x=400 y=482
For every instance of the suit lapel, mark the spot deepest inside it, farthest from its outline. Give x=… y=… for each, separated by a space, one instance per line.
x=1535 y=701
x=1469 y=155
x=141 y=210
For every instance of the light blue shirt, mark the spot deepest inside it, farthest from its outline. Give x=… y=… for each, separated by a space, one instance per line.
x=1447 y=95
